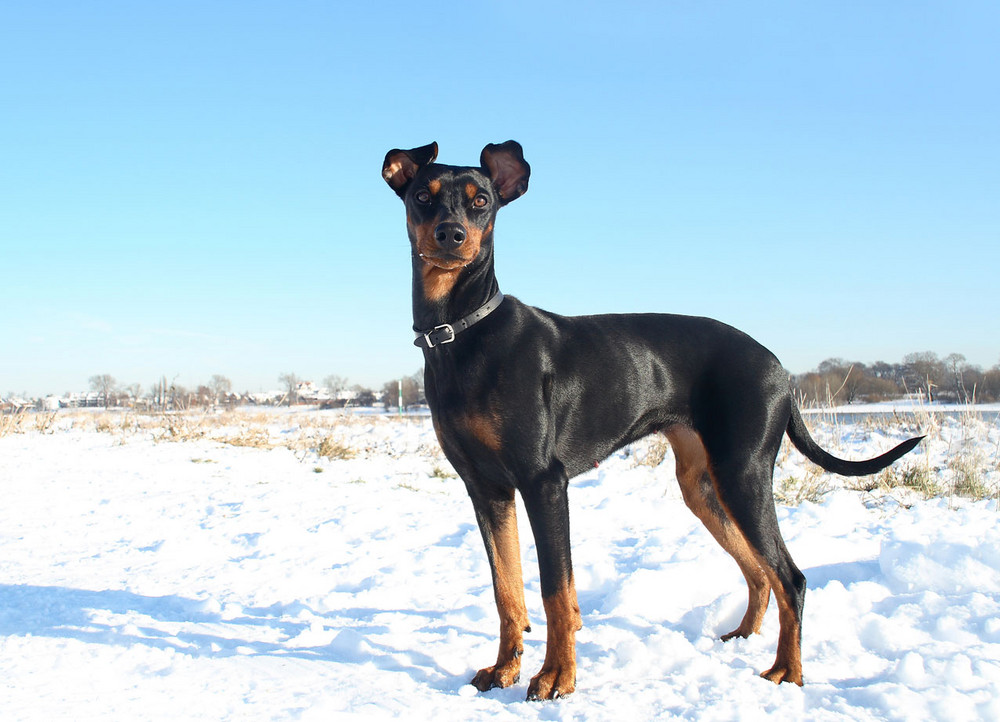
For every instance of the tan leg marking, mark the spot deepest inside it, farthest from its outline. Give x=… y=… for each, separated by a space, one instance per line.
x=697 y=487
x=787 y=665
x=557 y=678
x=508 y=589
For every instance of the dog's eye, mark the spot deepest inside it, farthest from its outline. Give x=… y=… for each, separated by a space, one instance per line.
x=480 y=201
x=423 y=197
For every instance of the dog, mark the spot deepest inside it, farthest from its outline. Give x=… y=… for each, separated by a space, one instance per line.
x=523 y=400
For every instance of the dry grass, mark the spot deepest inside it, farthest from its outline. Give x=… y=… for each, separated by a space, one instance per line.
x=969 y=469
x=327 y=436
x=650 y=451
x=968 y=463
x=656 y=450
x=331 y=448
x=916 y=477
x=175 y=427
x=961 y=456
x=45 y=422
x=12 y=423
x=252 y=437
x=22 y=421
x=443 y=472
x=794 y=490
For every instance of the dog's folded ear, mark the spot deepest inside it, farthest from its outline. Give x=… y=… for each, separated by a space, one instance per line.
x=401 y=166
x=504 y=163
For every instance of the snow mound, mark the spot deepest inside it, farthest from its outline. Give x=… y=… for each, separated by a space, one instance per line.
x=937 y=562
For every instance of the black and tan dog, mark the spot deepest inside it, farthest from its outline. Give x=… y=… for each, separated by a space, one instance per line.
x=523 y=400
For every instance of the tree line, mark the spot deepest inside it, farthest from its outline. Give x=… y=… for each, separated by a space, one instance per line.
x=948 y=379
x=834 y=381
x=291 y=390
x=161 y=394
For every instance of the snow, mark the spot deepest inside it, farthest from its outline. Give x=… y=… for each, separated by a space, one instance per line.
x=220 y=569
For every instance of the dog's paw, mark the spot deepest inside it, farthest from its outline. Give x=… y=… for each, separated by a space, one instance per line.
x=782 y=673
x=738 y=633
x=552 y=683
x=497 y=676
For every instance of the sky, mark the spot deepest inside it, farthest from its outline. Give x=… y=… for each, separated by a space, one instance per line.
x=193 y=188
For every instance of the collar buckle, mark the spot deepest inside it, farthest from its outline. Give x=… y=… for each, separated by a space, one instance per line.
x=446 y=332
x=438 y=339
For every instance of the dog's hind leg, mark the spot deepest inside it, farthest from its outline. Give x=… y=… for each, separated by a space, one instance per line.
x=699 y=494
x=743 y=486
x=497 y=517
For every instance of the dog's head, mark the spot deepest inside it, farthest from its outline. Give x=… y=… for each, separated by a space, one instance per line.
x=450 y=209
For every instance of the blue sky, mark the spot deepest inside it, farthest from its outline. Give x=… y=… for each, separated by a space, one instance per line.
x=193 y=188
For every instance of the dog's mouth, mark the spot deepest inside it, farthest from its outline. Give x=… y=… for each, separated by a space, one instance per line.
x=445 y=261
x=444 y=253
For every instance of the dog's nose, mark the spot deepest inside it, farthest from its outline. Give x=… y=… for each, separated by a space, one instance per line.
x=449 y=236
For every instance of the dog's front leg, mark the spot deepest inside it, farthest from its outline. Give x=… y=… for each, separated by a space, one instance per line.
x=547 y=504
x=497 y=517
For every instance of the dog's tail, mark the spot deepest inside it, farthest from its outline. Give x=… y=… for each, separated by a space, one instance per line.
x=799 y=435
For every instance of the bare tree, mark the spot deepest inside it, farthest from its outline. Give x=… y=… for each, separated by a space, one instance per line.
x=220 y=386
x=291 y=384
x=180 y=397
x=363 y=396
x=134 y=391
x=335 y=383
x=955 y=362
x=925 y=372
x=203 y=396
x=390 y=393
x=105 y=385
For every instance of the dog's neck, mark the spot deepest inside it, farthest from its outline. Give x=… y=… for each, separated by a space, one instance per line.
x=441 y=297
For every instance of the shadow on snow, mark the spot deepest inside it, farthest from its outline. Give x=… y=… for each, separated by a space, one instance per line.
x=192 y=627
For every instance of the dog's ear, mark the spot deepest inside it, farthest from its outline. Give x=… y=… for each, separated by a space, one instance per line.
x=401 y=165
x=504 y=163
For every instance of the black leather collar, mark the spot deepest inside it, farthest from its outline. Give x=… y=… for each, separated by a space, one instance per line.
x=446 y=332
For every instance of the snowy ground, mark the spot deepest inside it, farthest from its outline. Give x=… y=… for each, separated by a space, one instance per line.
x=235 y=574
